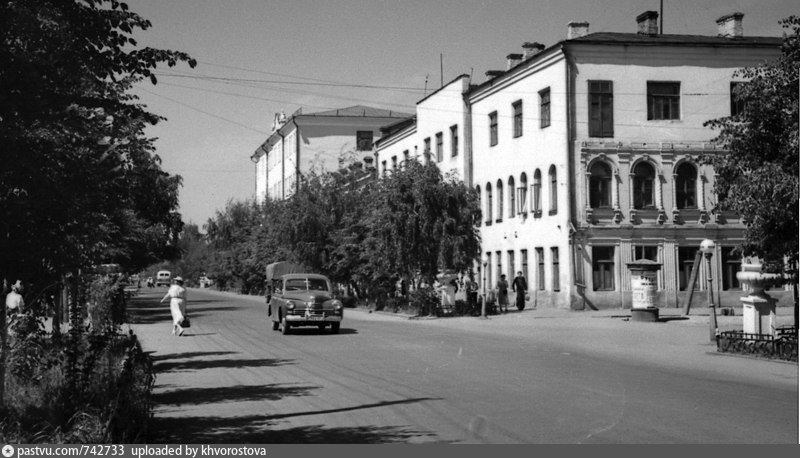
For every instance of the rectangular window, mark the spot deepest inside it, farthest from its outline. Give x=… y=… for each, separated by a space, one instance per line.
x=383 y=163
x=511 y=265
x=731 y=263
x=554 y=263
x=492 y=128
x=439 y=147
x=544 y=108
x=540 y=268
x=488 y=274
x=498 y=255
x=517 y=106
x=603 y=268
x=364 y=140
x=405 y=158
x=663 y=100
x=601 y=109
x=522 y=199
x=645 y=252
x=686 y=255
x=737 y=102
x=523 y=254
x=454 y=141
x=394 y=163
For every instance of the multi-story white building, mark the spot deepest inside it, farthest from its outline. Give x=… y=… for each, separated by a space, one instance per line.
x=586 y=155
x=323 y=141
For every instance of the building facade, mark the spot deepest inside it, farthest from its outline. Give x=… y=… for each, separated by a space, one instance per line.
x=587 y=156
x=321 y=142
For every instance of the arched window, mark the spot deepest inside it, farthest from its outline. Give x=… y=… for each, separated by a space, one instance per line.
x=522 y=198
x=537 y=192
x=488 y=203
x=600 y=185
x=643 y=186
x=686 y=186
x=480 y=198
x=512 y=198
x=553 y=190
x=499 y=200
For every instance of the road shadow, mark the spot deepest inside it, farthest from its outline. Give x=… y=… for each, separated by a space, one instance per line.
x=664 y=319
x=310 y=330
x=240 y=393
x=199 y=364
x=194 y=354
x=260 y=429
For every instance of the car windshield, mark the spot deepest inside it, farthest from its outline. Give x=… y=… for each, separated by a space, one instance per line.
x=306 y=284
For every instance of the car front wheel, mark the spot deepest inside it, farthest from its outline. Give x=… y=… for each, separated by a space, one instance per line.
x=284 y=326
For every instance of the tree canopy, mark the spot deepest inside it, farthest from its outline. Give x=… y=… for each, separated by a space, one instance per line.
x=80 y=182
x=757 y=177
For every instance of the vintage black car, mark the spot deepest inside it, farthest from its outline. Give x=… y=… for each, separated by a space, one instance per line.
x=302 y=299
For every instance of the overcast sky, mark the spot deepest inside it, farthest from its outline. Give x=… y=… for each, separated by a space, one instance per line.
x=259 y=57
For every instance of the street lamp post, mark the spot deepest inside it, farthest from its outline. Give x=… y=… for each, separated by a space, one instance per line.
x=483 y=294
x=707 y=248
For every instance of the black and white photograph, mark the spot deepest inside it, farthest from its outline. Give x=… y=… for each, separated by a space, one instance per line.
x=227 y=226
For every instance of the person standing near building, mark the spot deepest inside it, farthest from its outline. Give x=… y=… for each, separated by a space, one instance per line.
x=14 y=302
x=502 y=294
x=177 y=305
x=520 y=286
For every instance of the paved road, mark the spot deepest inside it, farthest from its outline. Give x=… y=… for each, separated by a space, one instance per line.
x=532 y=377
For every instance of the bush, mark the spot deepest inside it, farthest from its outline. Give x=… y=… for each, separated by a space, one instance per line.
x=106 y=304
x=425 y=300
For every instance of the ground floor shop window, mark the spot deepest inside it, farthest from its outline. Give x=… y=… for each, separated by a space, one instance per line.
x=731 y=263
x=603 y=268
x=686 y=257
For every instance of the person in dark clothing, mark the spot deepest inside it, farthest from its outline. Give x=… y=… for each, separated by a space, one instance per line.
x=520 y=286
x=502 y=294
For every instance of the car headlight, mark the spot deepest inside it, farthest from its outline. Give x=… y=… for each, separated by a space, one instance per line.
x=337 y=305
x=290 y=306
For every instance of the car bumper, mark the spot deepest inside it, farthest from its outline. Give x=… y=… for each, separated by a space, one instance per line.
x=312 y=320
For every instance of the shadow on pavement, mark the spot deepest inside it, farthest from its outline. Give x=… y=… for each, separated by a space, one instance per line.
x=240 y=393
x=259 y=429
x=194 y=365
x=190 y=355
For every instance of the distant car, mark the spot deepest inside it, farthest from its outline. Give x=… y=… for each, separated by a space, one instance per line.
x=303 y=299
x=163 y=277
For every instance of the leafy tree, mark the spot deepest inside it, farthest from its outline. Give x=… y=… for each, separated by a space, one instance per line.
x=426 y=222
x=80 y=183
x=758 y=176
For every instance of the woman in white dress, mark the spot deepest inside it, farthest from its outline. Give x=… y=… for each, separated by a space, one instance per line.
x=177 y=305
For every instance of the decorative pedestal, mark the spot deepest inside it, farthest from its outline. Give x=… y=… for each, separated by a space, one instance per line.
x=643 y=288
x=758 y=311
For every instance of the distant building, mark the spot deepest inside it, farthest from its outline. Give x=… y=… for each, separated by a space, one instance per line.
x=323 y=141
x=585 y=155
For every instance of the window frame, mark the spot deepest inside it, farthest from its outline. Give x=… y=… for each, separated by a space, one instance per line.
x=602 y=195
x=601 y=108
x=555 y=266
x=439 y=147
x=662 y=104
x=644 y=187
x=493 y=128
x=454 y=140
x=603 y=268
x=540 y=273
x=686 y=187
x=544 y=108
x=516 y=108
x=552 y=174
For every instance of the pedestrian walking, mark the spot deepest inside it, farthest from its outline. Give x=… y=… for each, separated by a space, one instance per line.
x=14 y=302
x=502 y=294
x=177 y=305
x=520 y=286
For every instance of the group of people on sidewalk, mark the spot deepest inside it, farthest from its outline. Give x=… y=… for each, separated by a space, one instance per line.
x=518 y=286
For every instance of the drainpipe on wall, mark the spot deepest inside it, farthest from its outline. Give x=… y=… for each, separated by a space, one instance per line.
x=296 y=156
x=283 y=165
x=575 y=260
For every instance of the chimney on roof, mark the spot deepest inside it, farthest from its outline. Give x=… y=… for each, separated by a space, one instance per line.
x=730 y=25
x=531 y=49
x=493 y=73
x=512 y=60
x=648 y=23
x=577 y=30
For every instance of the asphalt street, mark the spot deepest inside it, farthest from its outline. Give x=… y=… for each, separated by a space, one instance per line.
x=531 y=377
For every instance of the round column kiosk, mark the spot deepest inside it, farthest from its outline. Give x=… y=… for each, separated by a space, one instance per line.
x=644 y=284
